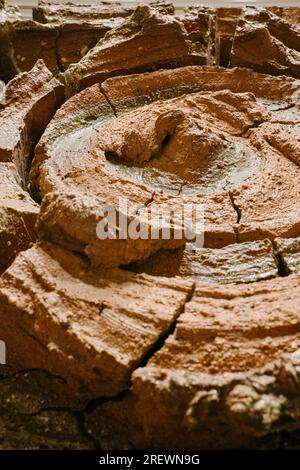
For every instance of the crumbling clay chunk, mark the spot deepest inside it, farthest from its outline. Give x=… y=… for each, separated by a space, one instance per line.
x=239 y=263
x=31 y=100
x=149 y=153
x=227 y=19
x=145 y=41
x=89 y=328
x=70 y=12
x=290 y=14
x=289 y=252
x=222 y=380
x=58 y=43
x=266 y=43
x=56 y=12
x=276 y=191
x=200 y=24
x=18 y=213
x=8 y=16
x=31 y=41
x=124 y=93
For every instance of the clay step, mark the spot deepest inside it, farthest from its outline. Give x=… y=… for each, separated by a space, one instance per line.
x=227 y=377
x=18 y=214
x=148 y=154
x=289 y=251
x=146 y=41
x=58 y=43
x=56 y=12
x=239 y=263
x=92 y=329
x=31 y=100
x=266 y=43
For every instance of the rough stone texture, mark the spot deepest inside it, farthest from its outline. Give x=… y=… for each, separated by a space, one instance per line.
x=148 y=40
x=290 y=14
x=227 y=19
x=89 y=328
x=200 y=24
x=31 y=100
x=218 y=367
x=239 y=263
x=129 y=153
x=289 y=251
x=26 y=41
x=57 y=12
x=64 y=38
x=275 y=191
x=31 y=419
x=124 y=93
x=8 y=16
x=192 y=125
x=70 y=12
x=18 y=214
x=227 y=377
x=49 y=429
x=30 y=41
x=266 y=43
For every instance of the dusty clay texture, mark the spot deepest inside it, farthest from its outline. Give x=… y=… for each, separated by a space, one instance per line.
x=30 y=101
x=232 y=363
x=148 y=153
x=238 y=263
x=147 y=40
x=267 y=43
x=90 y=328
x=55 y=12
x=58 y=12
x=18 y=213
x=227 y=19
x=60 y=35
x=289 y=253
x=144 y=342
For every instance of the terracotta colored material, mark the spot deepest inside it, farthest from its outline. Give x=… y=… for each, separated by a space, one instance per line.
x=128 y=170
x=227 y=19
x=239 y=263
x=8 y=16
x=276 y=191
x=30 y=102
x=290 y=14
x=148 y=40
x=145 y=343
x=200 y=24
x=289 y=252
x=266 y=43
x=136 y=90
x=225 y=378
x=26 y=41
x=57 y=12
x=18 y=215
x=117 y=154
x=70 y=12
x=89 y=328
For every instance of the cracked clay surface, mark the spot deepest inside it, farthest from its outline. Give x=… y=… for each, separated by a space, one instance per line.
x=145 y=343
